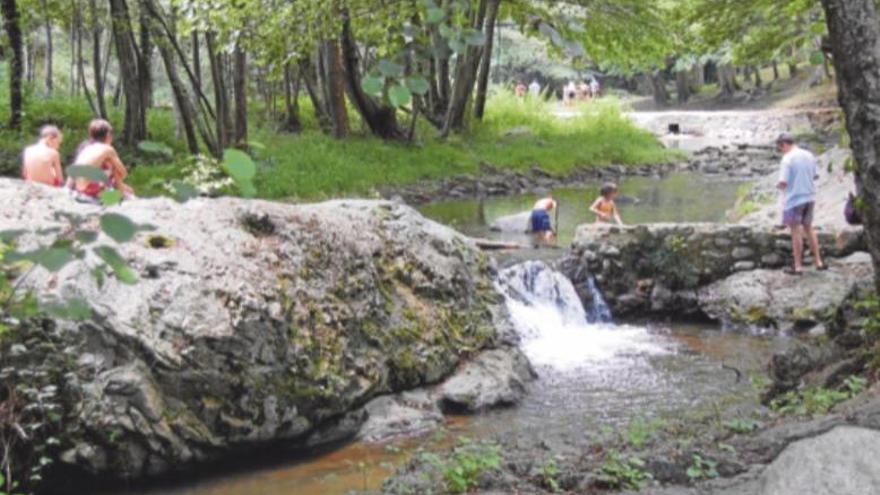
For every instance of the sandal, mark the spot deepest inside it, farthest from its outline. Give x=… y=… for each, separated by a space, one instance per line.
x=823 y=267
x=792 y=271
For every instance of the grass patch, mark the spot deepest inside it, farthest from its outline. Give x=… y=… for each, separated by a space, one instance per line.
x=516 y=135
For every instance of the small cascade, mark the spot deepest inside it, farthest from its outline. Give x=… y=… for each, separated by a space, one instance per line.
x=599 y=312
x=556 y=331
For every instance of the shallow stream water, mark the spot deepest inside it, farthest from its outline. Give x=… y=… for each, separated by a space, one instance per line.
x=592 y=376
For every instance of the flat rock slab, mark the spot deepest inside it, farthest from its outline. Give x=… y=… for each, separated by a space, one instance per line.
x=774 y=298
x=495 y=378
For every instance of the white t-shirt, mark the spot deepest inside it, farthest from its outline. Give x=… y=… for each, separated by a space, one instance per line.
x=799 y=170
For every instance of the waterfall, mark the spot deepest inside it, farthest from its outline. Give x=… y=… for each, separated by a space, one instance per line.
x=599 y=311
x=556 y=331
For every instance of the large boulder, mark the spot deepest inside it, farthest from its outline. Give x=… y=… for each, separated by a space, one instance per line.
x=252 y=322
x=772 y=298
x=495 y=378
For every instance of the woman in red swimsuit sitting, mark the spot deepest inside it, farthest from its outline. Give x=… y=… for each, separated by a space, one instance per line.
x=99 y=152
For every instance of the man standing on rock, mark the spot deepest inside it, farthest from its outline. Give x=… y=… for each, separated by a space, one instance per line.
x=797 y=180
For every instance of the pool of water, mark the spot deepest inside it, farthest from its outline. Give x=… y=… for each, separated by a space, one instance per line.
x=679 y=197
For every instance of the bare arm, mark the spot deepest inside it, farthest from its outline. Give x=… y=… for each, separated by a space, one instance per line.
x=59 y=172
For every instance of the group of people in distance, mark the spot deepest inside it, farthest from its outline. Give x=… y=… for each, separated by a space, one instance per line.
x=581 y=91
x=798 y=173
x=533 y=89
x=41 y=162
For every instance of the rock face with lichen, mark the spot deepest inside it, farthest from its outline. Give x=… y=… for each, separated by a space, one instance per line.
x=727 y=272
x=251 y=323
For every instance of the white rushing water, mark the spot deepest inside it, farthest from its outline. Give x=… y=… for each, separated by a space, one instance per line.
x=555 y=329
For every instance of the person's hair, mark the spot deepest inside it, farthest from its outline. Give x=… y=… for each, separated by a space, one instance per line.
x=99 y=129
x=785 y=138
x=608 y=189
x=49 y=131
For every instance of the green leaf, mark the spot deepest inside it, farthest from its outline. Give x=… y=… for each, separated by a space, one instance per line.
x=389 y=68
x=86 y=236
x=434 y=15
x=183 y=191
x=51 y=258
x=155 y=148
x=118 y=227
x=373 y=85
x=74 y=309
x=110 y=197
x=417 y=84
x=86 y=172
x=475 y=38
x=256 y=145
x=817 y=58
x=11 y=235
x=239 y=165
x=399 y=95
x=117 y=263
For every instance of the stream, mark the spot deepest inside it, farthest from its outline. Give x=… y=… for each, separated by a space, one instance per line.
x=592 y=376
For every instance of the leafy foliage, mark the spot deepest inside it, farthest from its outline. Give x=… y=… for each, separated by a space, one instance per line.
x=462 y=468
x=702 y=468
x=817 y=400
x=627 y=473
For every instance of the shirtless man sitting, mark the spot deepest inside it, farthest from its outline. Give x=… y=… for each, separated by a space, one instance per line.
x=99 y=152
x=41 y=162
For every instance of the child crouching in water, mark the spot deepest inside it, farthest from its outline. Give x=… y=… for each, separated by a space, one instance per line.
x=604 y=206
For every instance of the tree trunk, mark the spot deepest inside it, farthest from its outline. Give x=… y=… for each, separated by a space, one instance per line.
x=239 y=90
x=50 y=52
x=775 y=70
x=196 y=58
x=145 y=59
x=381 y=119
x=792 y=70
x=221 y=97
x=97 y=65
x=334 y=88
x=486 y=62
x=727 y=80
x=80 y=65
x=72 y=69
x=182 y=100
x=854 y=30
x=657 y=83
x=682 y=86
x=16 y=62
x=465 y=76
x=759 y=82
x=135 y=127
x=292 y=122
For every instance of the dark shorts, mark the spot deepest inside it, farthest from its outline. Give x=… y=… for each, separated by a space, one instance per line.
x=541 y=221
x=799 y=215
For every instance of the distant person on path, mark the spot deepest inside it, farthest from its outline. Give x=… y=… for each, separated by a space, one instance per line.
x=797 y=180
x=604 y=206
x=520 y=90
x=98 y=152
x=41 y=162
x=569 y=93
x=535 y=89
x=595 y=88
x=541 y=226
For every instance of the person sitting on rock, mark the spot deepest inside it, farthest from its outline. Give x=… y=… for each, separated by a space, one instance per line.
x=541 y=226
x=797 y=180
x=604 y=206
x=98 y=152
x=41 y=162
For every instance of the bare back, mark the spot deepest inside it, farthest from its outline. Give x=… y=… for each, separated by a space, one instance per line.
x=104 y=157
x=41 y=163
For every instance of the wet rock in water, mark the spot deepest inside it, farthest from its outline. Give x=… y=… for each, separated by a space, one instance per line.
x=402 y=414
x=513 y=224
x=253 y=331
x=493 y=379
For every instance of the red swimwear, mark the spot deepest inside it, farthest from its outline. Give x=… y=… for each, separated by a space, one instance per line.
x=94 y=189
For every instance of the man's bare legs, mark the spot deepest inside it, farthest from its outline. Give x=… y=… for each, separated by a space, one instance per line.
x=813 y=239
x=797 y=248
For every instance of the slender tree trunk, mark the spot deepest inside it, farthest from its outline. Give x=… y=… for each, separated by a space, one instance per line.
x=50 y=53
x=682 y=86
x=759 y=82
x=16 y=61
x=196 y=57
x=221 y=97
x=292 y=122
x=239 y=89
x=657 y=83
x=486 y=62
x=97 y=65
x=144 y=60
x=792 y=70
x=775 y=70
x=135 y=128
x=334 y=86
x=854 y=31
x=465 y=75
x=72 y=69
x=80 y=65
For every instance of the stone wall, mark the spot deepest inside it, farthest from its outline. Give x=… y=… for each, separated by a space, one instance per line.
x=660 y=268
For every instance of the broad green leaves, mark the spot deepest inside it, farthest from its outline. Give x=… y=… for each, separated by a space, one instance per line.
x=373 y=85
x=110 y=197
x=117 y=263
x=155 y=148
x=399 y=95
x=118 y=227
x=86 y=172
x=418 y=85
x=242 y=169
